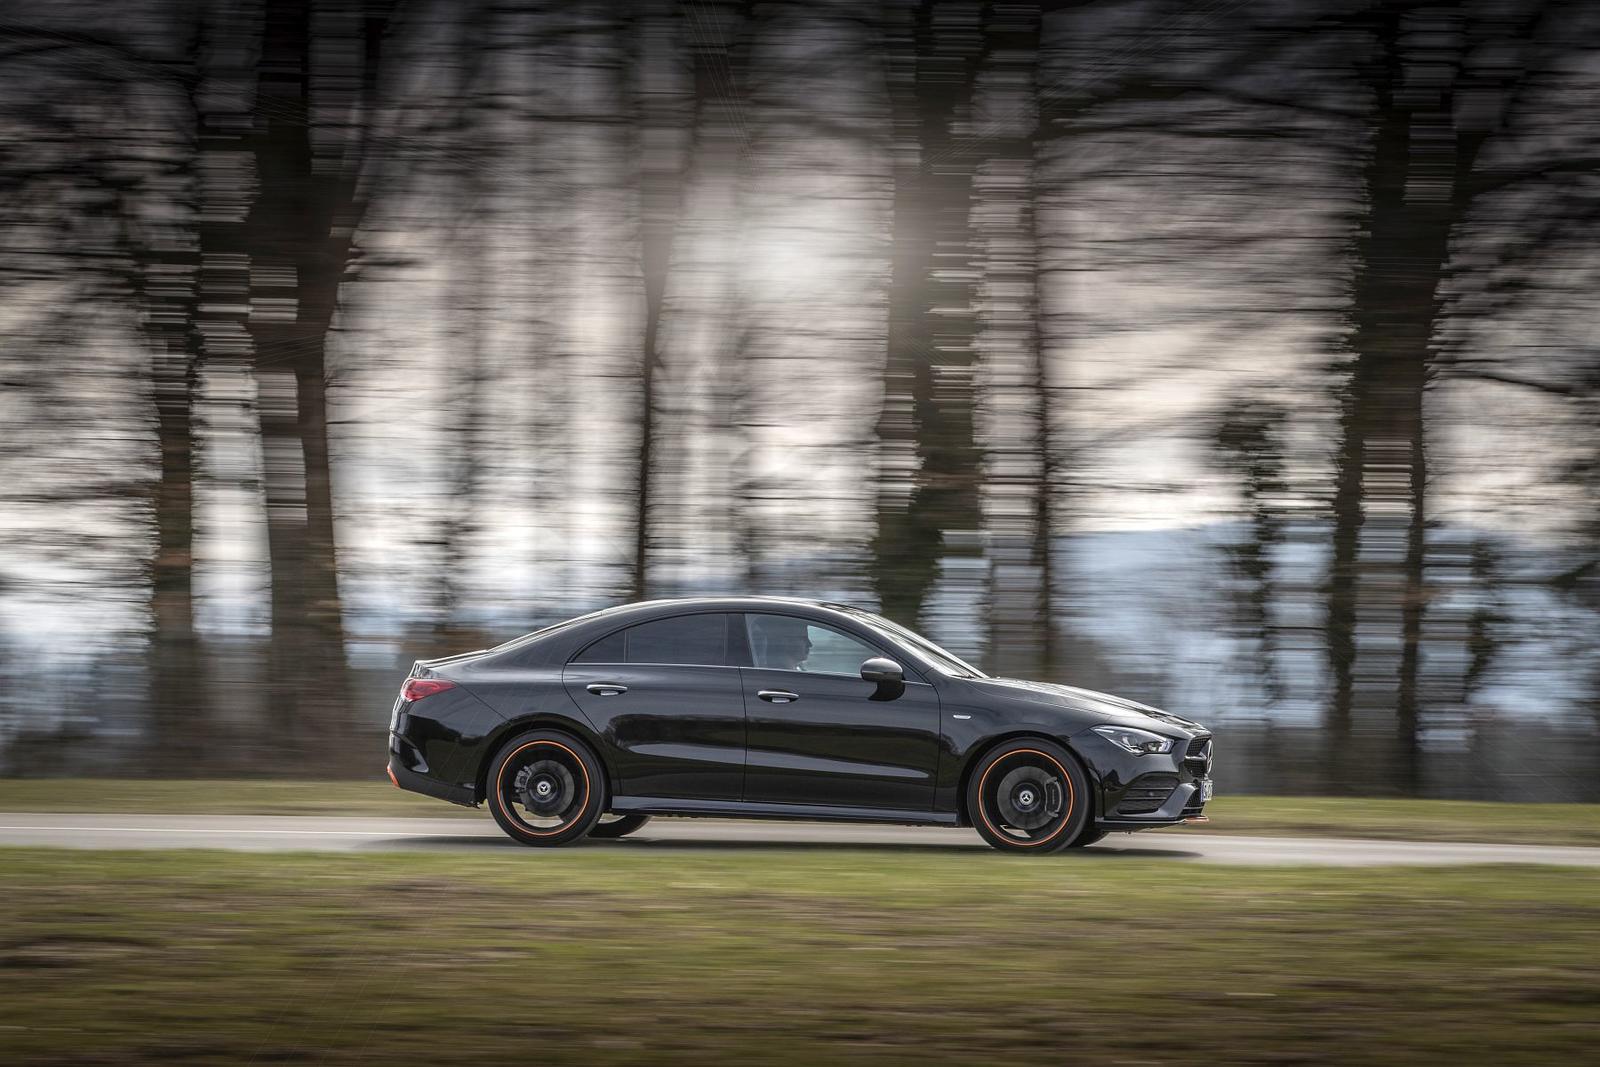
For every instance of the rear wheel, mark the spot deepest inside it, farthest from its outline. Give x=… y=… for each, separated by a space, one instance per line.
x=546 y=788
x=1029 y=795
x=611 y=827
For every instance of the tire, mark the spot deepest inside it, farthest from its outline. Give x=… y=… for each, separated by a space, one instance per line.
x=1088 y=837
x=545 y=788
x=617 y=826
x=1029 y=795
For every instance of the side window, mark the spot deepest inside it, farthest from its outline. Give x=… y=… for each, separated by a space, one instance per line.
x=608 y=649
x=784 y=643
x=693 y=639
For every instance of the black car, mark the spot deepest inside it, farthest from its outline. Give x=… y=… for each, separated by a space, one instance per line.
x=776 y=708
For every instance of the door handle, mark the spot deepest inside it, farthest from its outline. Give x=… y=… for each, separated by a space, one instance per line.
x=778 y=696
x=606 y=689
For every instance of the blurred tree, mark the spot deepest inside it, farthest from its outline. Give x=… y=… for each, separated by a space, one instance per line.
x=1487 y=616
x=666 y=110
x=606 y=311
x=315 y=93
x=928 y=506
x=166 y=278
x=474 y=151
x=102 y=146
x=1420 y=181
x=1248 y=438
x=1014 y=382
x=706 y=486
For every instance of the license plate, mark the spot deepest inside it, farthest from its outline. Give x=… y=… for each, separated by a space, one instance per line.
x=1205 y=790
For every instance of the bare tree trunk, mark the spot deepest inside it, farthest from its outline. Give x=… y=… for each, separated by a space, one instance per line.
x=664 y=162
x=722 y=39
x=473 y=307
x=1051 y=305
x=1376 y=579
x=928 y=466
x=1247 y=438
x=168 y=279
x=298 y=234
x=1014 y=418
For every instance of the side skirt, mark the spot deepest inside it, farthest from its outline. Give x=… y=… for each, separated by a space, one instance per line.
x=738 y=809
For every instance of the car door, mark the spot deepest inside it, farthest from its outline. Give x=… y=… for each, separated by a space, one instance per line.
x=664 y=696
x=816 y=735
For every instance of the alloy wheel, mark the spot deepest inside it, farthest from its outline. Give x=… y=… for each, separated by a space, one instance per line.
x=1027 y=798
x=543 y=787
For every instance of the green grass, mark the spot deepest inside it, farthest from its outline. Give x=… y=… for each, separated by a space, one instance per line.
x=221 y=797
x=1437 y=820
x=1431 y=820
x=604 y=956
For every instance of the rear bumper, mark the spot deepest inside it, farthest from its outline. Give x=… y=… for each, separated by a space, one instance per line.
x=416 y=782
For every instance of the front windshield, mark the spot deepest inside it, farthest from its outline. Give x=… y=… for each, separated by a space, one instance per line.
x=948 y=661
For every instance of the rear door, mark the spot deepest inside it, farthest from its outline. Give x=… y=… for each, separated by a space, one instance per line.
x=817 y=736
x=666 y=699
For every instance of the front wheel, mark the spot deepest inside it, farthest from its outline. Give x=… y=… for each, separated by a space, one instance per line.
x=546 y=788
x=1029 y=795
x=612 y=827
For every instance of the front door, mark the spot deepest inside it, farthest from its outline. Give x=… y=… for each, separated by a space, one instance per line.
x=817 y=736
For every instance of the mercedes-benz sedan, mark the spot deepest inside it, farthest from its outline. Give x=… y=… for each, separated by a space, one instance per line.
x=777 y=708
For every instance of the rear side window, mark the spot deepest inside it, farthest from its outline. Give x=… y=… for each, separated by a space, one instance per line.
x=609 y=649
x=682 y=639
x=685 y=639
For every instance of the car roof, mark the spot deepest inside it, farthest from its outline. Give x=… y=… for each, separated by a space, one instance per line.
x=556 y=637
x=717 y=603
x=726 y=601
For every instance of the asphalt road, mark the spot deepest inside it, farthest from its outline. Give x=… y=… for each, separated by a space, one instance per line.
x=262 y=833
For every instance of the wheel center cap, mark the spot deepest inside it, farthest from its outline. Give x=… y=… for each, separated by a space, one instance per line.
x=1025 y=798
x=543 y=789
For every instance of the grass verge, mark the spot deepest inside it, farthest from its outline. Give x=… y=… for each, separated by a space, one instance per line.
x=222 y=797
x=1411 y=820
x=1429 y=820
x=604 y=957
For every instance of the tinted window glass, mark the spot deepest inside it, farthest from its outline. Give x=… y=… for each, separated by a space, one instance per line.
x=784 y=643
x=681 y=639
x=944 y=658
x=606 y=650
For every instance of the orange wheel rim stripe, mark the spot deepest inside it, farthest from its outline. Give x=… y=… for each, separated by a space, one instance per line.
x=500 y=799
x=1072 y=798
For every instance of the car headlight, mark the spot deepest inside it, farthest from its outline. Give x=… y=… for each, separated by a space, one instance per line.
x=1139 y=742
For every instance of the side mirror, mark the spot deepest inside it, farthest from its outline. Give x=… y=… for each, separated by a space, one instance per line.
x=882 y=670
x=889 y=676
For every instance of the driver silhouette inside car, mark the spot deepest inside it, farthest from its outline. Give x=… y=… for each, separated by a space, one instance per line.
x=782 y=644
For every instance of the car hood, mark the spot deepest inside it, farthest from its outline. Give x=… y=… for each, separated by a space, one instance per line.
x=1102 y=707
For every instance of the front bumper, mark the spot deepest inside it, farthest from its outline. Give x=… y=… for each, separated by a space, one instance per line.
x=1137 y=792
x=1183 y=804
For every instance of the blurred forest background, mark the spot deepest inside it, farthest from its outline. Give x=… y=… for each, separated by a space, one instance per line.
x=1238 y=356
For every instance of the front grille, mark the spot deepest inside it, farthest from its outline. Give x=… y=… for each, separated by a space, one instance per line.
x=1197 y=747
x=1197 y=760
x=1147 y=793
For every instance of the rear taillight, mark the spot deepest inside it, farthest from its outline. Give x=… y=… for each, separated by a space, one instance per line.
x=417 y=688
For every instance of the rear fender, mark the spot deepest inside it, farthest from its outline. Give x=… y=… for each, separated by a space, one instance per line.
x=543 y=720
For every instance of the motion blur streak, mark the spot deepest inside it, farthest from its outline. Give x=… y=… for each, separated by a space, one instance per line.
x=1234 y=356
